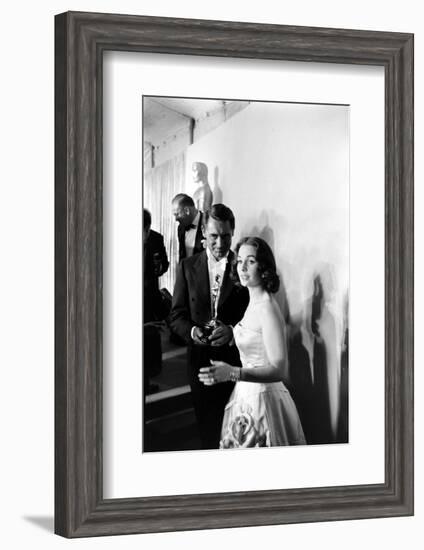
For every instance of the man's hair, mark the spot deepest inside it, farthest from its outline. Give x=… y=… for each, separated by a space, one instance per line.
x=183 y=200
x=147 y=219
x=221 y=213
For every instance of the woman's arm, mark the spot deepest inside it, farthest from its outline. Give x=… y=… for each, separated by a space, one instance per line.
x=273 y=332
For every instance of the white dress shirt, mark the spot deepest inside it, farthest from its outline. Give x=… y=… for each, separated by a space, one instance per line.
x=215 y=268
x=190 y=236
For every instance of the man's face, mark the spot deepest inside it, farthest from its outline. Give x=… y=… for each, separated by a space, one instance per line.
x=181 y=214
x=218 y=237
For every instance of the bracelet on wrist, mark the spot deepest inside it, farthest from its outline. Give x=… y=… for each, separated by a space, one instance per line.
x=235 y=374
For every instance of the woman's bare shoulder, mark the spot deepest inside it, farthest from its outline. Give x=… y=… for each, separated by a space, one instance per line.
x=270 y=309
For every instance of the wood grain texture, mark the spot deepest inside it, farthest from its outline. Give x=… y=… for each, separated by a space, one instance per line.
x=81 y=39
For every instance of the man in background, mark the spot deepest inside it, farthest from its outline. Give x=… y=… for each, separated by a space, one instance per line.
x=189 y=218
x=155 y=264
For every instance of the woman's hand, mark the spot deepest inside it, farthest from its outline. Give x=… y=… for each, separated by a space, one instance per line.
x=216 y=373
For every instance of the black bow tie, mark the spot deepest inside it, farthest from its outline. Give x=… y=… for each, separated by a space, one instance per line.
x=190 y=226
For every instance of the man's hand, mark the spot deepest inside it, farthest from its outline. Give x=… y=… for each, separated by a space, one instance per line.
x=222 y=334
x=198 y=337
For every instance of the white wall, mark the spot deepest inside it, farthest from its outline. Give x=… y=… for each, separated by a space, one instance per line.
x=284 y=171
x=26 y=219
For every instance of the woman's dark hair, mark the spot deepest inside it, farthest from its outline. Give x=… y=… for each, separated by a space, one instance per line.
x=266 y=263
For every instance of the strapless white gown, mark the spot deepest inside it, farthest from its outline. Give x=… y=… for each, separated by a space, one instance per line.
x=259 y=414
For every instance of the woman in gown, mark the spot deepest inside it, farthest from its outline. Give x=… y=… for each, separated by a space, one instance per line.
x=260 y=412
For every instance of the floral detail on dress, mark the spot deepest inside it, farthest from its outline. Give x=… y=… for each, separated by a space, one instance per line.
x=244 y=431
x=258 y=414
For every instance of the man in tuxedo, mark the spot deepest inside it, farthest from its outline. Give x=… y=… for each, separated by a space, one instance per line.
x=155 y=264
x=202 y=279
x=190 y=237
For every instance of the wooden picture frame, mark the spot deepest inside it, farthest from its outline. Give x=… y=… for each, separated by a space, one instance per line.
x=81 y=39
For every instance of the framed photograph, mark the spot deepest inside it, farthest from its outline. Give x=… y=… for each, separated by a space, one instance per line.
x=284 y=170
x=234 y=274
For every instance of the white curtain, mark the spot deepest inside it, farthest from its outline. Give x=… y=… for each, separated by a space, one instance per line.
x=161 y=184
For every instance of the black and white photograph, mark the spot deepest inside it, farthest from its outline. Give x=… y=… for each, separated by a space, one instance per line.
x=245 y=296
x=211 y=261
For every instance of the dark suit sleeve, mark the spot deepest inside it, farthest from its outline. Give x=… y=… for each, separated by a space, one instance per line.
x=181 y=322
x=161 y=250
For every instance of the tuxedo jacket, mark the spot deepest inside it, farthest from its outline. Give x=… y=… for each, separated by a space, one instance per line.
x=191 y=306
x=153 y=245
x=198 y=244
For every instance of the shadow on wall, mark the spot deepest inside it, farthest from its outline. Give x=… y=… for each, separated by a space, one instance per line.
x=217 y=191
x=318 y=358
x=267 y=234
x=317 y=343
